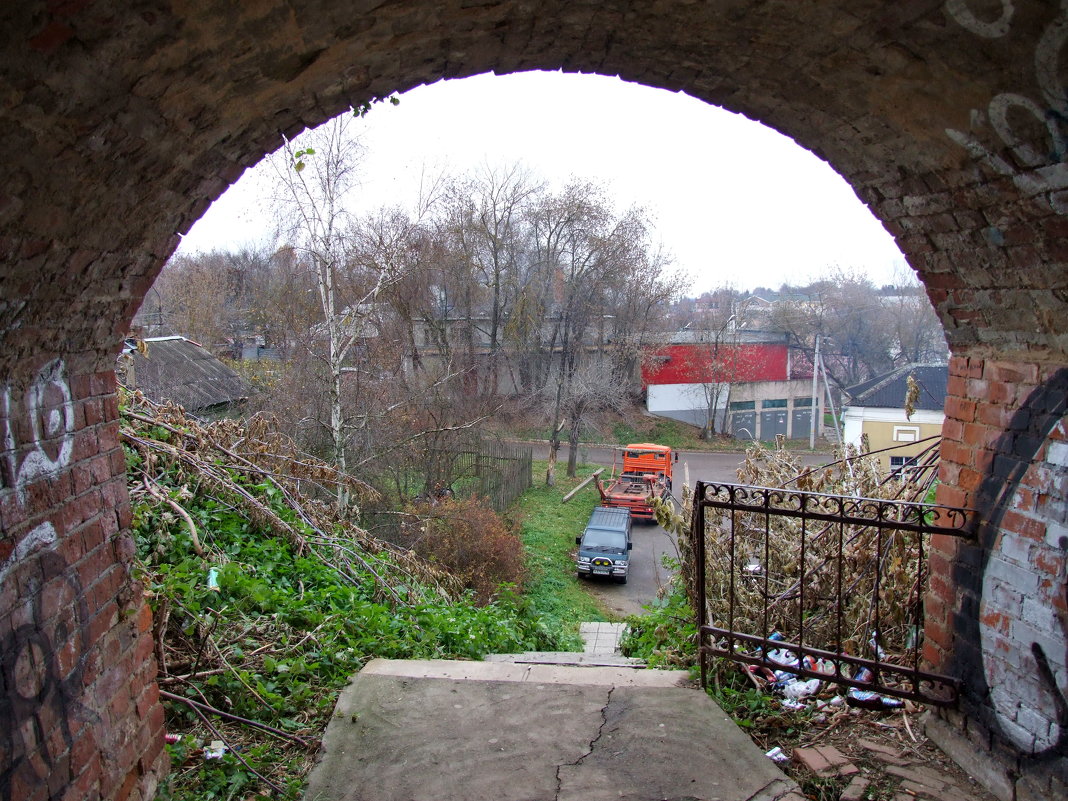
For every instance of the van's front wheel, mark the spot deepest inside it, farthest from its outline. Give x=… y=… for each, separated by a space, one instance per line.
x=621 y=579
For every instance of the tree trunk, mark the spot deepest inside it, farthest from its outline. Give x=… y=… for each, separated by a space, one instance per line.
x=573 y=442
x=550 y=471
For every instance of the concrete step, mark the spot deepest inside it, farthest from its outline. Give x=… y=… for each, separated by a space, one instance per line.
x=568 y=658
x=498 y=731
x=537 y=672
x=602 y=638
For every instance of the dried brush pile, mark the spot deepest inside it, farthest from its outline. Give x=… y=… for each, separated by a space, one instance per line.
x=267 y=596
x=853 y=588
x=230 y=459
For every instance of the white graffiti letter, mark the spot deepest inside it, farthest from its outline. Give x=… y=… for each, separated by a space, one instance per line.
x=49 y=408
x=999 y=118
x=44 y=536
x=958 y=9
x=1048 y=61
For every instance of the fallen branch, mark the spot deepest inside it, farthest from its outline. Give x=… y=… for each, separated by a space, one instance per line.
x=236 y=718
x=159 y=495
x=574 y=492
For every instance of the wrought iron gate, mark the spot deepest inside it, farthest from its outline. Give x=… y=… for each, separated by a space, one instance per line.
x=821 y=586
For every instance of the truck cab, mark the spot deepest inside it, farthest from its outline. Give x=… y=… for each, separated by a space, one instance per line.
x=604 y=547
x=644 y=459
x=646 y=476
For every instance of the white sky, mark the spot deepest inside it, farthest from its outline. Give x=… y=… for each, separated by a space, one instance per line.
x=735 y=202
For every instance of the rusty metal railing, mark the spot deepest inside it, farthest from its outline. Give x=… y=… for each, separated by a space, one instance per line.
x=820 y=586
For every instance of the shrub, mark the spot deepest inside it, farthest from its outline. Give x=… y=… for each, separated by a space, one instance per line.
x=470 y=540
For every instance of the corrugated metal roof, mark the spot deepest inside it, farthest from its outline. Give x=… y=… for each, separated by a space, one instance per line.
x=888 y=390
x=180 y=371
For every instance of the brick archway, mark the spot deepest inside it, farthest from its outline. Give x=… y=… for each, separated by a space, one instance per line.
x=122 y=122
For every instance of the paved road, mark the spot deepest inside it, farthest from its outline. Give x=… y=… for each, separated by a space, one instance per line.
x=651 y=542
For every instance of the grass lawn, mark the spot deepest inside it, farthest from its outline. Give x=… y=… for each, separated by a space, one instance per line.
x=548 y=531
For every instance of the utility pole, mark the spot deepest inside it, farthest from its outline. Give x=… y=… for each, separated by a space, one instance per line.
x=815 y=397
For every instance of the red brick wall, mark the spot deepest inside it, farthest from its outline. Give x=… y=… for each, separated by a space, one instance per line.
x=998 y=609
x=77 y=701
x=704 y=363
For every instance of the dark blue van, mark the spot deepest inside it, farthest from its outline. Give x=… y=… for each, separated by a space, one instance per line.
x=604 y=547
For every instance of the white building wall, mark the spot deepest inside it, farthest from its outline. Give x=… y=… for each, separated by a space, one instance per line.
x=685 y=402
x=853 y=418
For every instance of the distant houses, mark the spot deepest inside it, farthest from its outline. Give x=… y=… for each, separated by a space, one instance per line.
x=875 y=411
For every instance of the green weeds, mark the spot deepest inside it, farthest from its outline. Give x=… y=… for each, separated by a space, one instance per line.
x=265 y=615
x=548 y=529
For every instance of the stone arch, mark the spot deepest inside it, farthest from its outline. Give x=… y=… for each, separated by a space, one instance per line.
x=122 y=122
x=120 y=135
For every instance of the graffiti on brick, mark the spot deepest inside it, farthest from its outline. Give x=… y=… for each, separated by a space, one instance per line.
x=43 y=649
x=42 y=665
x=1022 y=618
x=962 y=13
x=49 y=413
x=1038 y=170
x=43 y=536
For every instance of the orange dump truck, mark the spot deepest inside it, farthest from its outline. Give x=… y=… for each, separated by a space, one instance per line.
x=646 y=475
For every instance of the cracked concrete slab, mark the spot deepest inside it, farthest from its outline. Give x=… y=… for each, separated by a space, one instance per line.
x=666 y=743
x=415 y=731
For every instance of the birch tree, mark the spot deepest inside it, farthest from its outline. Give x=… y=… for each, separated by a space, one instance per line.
x=316 y=175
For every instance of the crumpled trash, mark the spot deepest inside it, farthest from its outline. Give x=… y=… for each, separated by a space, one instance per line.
x=797 y=689
x=781 y=656
x=215 y=750
x=868 y=699
x=777 y=755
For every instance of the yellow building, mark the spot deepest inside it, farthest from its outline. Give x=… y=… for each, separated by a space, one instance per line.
x=875 y=410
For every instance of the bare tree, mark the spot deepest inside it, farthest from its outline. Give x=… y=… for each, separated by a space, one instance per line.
x=716 y=327
x=856 y=325
x=917 y=332
x=192 y=297
x=315 y=175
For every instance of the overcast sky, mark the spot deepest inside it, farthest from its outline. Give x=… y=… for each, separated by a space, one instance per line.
x=734 y=202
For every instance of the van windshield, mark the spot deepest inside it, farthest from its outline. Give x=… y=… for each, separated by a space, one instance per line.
x=604 y=538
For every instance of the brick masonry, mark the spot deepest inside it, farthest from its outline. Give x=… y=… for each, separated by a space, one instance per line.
x=999 y=619
x=79 y=706
x=124 y=120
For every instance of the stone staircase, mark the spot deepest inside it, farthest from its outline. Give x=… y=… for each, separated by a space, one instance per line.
x=601 y=642
x=590 y=726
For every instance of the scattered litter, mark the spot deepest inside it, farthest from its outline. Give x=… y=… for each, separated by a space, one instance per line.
x=215 y=750
x=875 y=647
x=793 y=688
x=777 y=755
x=824 y=666
x=761 y=673
x=797 y=690
x=782 y=657
x=213 y=579
x=866 y=699
x=172 y=739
